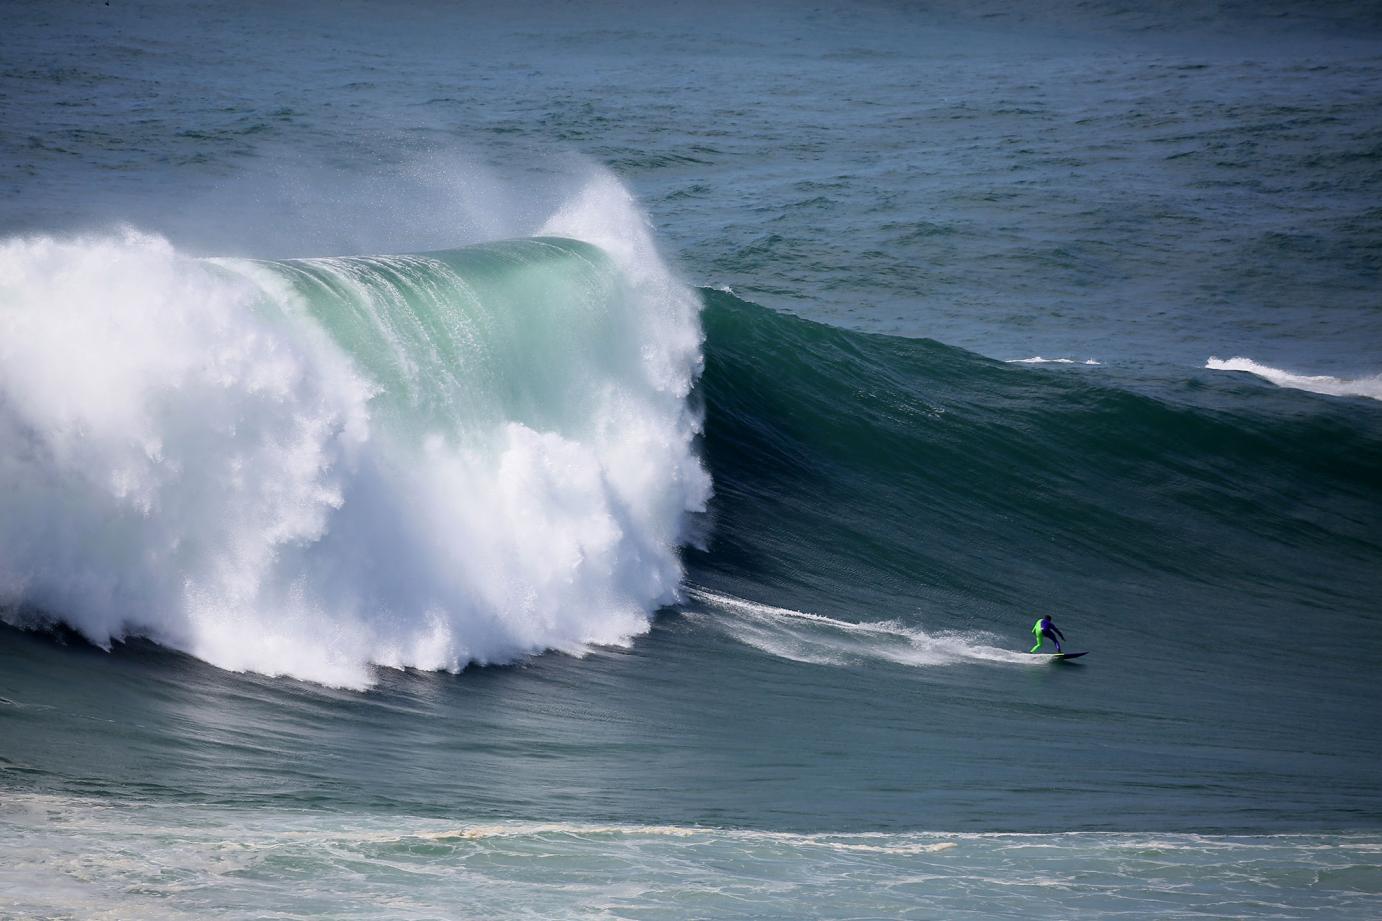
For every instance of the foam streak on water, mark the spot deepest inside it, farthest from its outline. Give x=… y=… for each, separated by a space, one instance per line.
x=818 y=640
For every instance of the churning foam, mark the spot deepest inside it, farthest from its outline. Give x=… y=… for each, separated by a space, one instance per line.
x=189 y=452
x=818 y=640
x=69 y=857
x=1315 y=383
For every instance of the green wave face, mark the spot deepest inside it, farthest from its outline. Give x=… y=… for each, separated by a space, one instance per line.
x=854 y=469
x=459 y=340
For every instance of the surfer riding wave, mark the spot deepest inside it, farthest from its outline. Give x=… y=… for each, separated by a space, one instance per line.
x=1044 y=629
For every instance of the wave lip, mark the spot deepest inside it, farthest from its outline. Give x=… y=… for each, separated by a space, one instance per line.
x=1370 y=387
x=312 y=467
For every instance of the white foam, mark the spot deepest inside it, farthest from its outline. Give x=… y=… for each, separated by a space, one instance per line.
x=861 y=842
x=88 y=858
x=1038 y=360
x=812 y=638
x=186 y=455
x=1370 y=387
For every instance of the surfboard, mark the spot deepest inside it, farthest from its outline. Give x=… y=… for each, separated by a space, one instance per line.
x=1062 y=656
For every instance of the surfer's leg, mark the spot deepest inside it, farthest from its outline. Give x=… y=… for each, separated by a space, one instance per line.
x=1037 y=646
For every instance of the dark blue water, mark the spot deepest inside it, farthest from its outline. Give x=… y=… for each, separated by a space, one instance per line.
x=806 y=695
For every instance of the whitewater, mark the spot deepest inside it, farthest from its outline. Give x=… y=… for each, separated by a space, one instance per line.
x=311 y=467
x=358 y=866
x=1370 y=386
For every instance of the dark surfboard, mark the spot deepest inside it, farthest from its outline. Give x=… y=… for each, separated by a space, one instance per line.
x=1062 y=656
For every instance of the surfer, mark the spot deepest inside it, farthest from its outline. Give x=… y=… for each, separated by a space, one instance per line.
x=1044 y=629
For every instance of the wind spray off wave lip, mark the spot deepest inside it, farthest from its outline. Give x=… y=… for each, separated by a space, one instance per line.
x=314 y=466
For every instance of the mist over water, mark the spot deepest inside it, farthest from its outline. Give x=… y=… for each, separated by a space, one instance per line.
x=606 y=462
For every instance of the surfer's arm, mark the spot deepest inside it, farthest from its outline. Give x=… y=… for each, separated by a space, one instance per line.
x=1056 y=631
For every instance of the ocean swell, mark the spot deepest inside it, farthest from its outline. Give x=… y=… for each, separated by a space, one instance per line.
x=310 y=467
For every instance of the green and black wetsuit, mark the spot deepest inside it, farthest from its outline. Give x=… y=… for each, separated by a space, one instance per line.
x=1044 y=630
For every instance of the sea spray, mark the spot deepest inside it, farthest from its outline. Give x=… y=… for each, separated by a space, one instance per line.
x=312 y=466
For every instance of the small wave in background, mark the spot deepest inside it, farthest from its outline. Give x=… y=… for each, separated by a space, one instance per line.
x=1369 y=386
x=1038 y=360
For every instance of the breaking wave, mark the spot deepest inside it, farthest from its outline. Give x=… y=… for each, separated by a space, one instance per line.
x=1315 y=383
x=308 y=467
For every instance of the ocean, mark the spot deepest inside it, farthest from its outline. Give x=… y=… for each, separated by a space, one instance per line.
x=605 y=461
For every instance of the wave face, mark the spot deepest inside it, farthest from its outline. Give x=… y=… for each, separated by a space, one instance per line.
x=310 y=466
x=853 y=470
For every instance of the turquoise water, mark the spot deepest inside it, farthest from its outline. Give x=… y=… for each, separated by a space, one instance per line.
x=555 y=463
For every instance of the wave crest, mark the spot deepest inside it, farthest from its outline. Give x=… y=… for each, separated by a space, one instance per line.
x=315 y=466
x=1370 y=387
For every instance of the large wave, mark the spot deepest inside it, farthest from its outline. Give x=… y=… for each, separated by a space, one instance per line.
x=310 y=466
